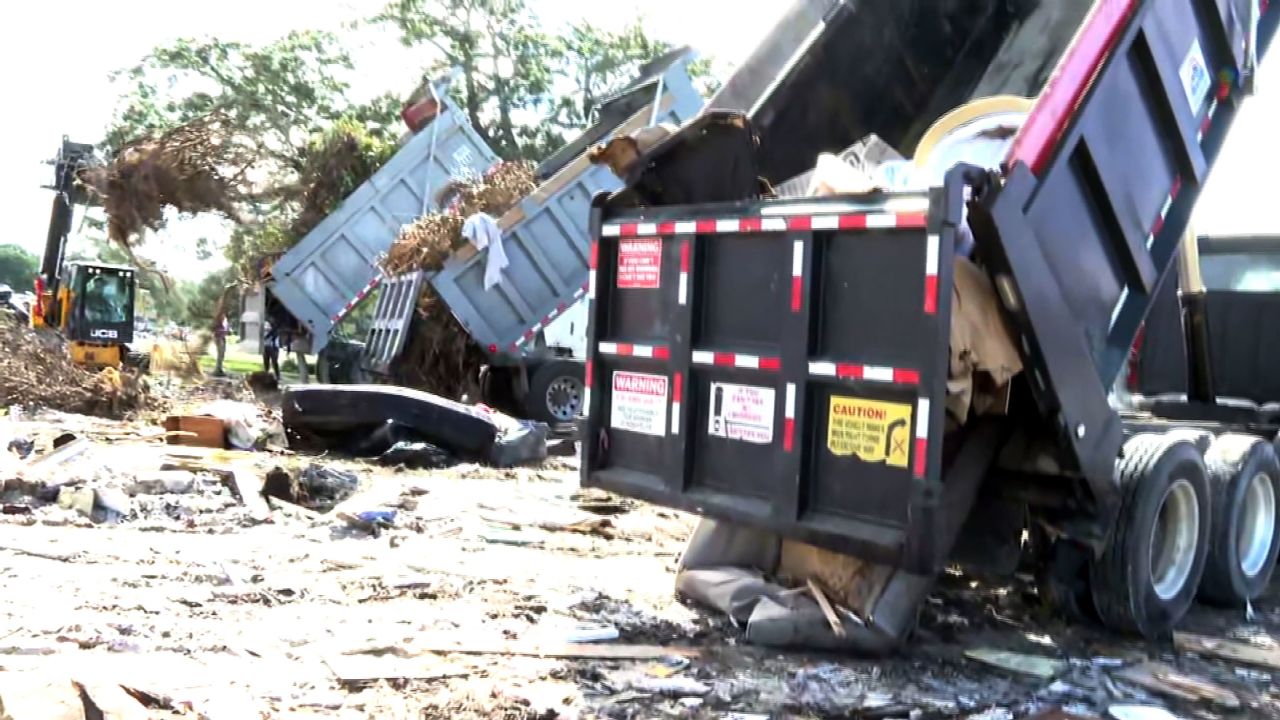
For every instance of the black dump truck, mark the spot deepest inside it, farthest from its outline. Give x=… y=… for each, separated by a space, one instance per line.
x=824 y=322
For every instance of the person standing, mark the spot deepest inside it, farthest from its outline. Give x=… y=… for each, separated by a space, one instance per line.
x=220 y=332
x=271 y=350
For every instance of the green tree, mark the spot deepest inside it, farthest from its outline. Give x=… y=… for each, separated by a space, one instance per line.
x=18 y=267
x=277 y=95
x=285 y=100
x=504 y=58
x=512 y=72
x=219 y=286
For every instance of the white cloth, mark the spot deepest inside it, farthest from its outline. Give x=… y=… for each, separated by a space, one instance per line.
x=482 y=231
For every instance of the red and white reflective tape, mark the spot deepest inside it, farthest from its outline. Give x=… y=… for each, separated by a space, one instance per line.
x=542 y=324
x=591 y=269
x=356 y=300
x=736 y=360
x=677 y=395
x=922 y=438
x=657 y=352
x=847 y=221
x=797 y=275
x=1208 y=120
x=789 y=419
x=683 y=292
x=586 y=387
x=872 y=373
x=1158 y=225
x=931 y=275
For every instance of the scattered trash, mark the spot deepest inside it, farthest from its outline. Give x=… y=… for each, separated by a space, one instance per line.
x=1035 y=665
x=591 y=632
x=22 y=447
x=674 y=686
x=1165 y=680
x=1228 y=650
x=668 y=666
x=995 y=713
x=195 y=431
x=162 y=482
x=242 y=422
x=417 y=456
x=80 y=499
x=114 y=500
x=1140 y=712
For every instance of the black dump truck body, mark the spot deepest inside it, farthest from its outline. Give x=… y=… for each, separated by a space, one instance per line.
x=783 y=363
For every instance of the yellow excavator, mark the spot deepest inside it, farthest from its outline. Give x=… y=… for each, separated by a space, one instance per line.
x=90 y=304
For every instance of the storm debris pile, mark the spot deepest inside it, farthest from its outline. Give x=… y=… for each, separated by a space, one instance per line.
x=194 y=168
x=430 y=240
x=439 y=356
x=35 y=370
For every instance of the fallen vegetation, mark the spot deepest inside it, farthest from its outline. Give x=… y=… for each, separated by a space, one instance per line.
x=35 y=370
x=193 y=168
x=439 y=356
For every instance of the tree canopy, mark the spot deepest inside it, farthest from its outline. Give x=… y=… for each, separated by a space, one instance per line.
x=523 y=86
x=18 y=267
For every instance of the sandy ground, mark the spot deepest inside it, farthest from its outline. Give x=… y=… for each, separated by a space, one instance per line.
x=196 y=604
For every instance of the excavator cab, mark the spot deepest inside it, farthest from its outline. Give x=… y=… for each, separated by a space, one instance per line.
x=97 y=304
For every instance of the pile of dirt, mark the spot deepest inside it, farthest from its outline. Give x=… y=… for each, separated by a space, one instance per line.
x=35 y=370
x=194 y=168
x=439 y=356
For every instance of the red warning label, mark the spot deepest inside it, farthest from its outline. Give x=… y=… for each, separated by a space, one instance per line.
x=640 y=264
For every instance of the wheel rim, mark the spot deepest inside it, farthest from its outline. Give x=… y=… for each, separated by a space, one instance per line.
x=564 y=398
x=1173 y=539
x=1257 y=525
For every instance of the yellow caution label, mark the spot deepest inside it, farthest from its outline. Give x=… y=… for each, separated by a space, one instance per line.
x=872 y=430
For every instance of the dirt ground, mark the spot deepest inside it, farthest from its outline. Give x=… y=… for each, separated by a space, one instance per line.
x=187 y=599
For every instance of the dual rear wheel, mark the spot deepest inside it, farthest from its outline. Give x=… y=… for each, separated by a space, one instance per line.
x=1193 y=522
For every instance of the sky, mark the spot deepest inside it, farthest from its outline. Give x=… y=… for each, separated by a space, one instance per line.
x=57 y=84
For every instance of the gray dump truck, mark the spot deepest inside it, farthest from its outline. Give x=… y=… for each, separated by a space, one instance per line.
x=531 y=324
x=790 y=368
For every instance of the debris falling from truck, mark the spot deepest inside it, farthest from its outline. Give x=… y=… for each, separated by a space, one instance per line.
x=429 y=241
x=439 y=356
x=194 y=168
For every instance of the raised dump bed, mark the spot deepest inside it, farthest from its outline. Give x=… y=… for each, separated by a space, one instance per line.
x=786 y=365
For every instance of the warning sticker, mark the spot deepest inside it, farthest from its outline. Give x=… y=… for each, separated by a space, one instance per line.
x=639 y=403
x=742 y=412
x=640 y=264
x=874 y=431
x=1196 y=81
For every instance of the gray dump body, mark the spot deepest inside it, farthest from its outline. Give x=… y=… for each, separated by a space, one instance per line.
x=334 y=267
x=545 y=237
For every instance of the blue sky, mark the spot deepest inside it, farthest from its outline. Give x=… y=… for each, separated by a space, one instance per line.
x=57 y=84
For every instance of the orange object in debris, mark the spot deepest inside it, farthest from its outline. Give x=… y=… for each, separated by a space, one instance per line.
x=195 y=431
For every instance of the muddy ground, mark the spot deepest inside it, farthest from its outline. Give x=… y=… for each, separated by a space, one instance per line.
x=186 y=599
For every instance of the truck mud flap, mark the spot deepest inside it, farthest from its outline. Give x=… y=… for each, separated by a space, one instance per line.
x=336 y=417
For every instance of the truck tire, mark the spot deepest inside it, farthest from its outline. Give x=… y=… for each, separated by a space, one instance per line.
x=1202 y=439
x=1147 y=577
x=1244 y=476
x=556 y=392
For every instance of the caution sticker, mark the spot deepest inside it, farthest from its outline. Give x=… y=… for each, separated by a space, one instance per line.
x=873 y=431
